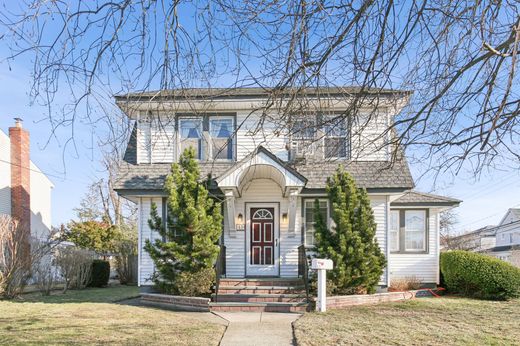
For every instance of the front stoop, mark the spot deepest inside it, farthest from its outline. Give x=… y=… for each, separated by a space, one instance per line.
x=259 y=307
x=267 y=295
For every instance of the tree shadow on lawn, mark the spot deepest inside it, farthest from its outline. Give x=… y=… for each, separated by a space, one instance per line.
x=111 y=294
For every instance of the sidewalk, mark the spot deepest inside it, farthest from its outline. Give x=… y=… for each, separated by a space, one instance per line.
x=258 y=328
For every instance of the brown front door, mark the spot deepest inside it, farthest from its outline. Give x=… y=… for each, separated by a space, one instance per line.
x=262 y=236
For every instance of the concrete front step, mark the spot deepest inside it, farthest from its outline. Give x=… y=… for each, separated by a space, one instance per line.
x=260 y=298
x=261 y=282
x=257 y=307
x=261 y=289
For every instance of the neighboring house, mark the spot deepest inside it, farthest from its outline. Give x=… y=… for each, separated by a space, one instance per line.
x=270 y=180
x=481 y=239
x=25 y=191
x=508 y=238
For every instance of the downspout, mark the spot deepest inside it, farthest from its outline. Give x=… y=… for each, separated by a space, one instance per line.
x=387 y=243
x=139 y=231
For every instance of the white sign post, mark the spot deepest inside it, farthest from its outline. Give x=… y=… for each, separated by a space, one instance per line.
x=321 y=265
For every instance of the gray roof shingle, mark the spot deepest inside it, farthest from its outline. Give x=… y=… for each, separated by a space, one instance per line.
x=421 y=198
x=368 y=174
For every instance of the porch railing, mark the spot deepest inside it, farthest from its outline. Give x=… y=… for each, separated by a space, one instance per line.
x=303 y=268
x=220 y=268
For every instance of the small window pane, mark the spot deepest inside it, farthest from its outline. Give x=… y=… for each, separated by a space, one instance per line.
x=335 y=141
x=394 y=230
x=304 y=129
x=415 y=230
x=335 y=147
x=309 y=219
x=221 y=132
x=191 y=135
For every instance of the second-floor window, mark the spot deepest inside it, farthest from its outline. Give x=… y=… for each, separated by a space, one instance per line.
x=221 y=132
x=329 y=133
x=335 y=138
x=191 y=135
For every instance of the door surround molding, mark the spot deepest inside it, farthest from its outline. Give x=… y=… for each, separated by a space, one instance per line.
x=275 y=269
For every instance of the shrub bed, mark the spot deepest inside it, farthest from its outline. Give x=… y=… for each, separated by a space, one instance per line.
x=481 y=276
x=100 y=273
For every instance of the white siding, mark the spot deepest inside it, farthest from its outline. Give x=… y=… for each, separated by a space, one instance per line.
x=163 y=140
x=41 y=189
x=5 y=174
x=146 y=265
x=425 y=267
x=263 y=190
x=157 y=141
x=508 y=234
x=143 y=142
x=250 y=135
x=368 y=142
x=379 y=204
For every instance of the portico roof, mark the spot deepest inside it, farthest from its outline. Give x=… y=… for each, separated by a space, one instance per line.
x=261 y=164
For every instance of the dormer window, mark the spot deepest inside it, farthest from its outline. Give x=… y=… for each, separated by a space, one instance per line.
x=221 y=132
x=191 y=135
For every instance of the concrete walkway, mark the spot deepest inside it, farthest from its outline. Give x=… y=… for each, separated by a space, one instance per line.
x=258 y=328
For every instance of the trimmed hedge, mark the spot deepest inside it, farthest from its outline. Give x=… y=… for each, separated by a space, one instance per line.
x=480 y=276
x=100 y=273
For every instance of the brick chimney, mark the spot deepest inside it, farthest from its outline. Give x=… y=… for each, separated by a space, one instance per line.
x=20 y=179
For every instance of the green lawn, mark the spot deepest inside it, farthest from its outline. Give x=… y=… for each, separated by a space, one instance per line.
x=425 y=321
x=92 y=317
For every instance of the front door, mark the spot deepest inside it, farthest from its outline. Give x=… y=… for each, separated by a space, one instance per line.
x=262 y=259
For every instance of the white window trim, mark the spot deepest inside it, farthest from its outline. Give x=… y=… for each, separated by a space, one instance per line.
x=425 y=232
x=233 y=136
x=179 y=135
x=402 y=232
x=328 y=119
x=397 y=230
x=304 y=217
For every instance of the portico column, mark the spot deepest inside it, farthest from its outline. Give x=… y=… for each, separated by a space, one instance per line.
x=230 y=207
x=293 y=195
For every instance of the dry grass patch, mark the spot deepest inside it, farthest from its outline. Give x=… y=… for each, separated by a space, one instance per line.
x=425 y=321
x=74 y=319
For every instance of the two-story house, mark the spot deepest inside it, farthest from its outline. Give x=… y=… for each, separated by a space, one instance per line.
x=269 y=177
x=508 y=238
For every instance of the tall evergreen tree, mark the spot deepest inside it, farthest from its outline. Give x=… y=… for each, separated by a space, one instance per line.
x=350 y=243
x=187 y=248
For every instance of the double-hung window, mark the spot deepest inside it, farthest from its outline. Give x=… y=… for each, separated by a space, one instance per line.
x=309 y=219
x=191 y=135
x=221 y=131
x=408 y=231
x=304 y=130
x=335 y=137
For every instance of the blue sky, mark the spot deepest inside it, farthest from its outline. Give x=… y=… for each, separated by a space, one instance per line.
x=486 y=199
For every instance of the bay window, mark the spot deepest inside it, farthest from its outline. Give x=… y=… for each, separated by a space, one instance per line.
x=408 y=231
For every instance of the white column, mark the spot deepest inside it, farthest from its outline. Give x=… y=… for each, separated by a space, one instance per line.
x=230 y=207
x=293 y=195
